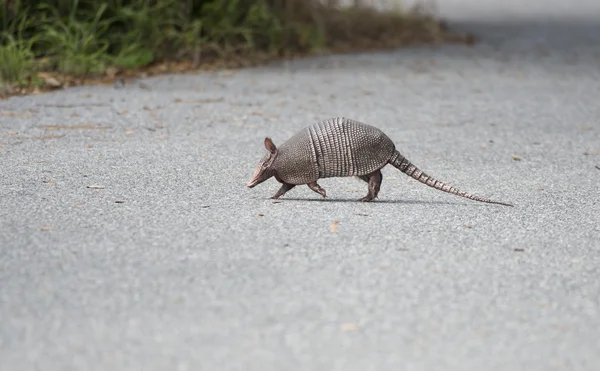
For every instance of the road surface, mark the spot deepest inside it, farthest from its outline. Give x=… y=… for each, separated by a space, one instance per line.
x=129 y=241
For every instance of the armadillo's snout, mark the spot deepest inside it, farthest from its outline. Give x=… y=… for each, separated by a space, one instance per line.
x=256 y=178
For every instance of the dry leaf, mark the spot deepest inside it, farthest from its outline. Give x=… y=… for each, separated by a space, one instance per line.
x=89 y=146
x=539 y=189
x=349 y=326
x=516 y=158
x=95 y=186
x=129 y=132
x=15 y=114
x=12 y=133
x=468 y=226
x=334 y=226
x=591 y=153
x=261 y=214
x=177 y=100
x=209 y=100
x=46 y=228
x=124 y=112
x=50 y=181
x=72 y=127
x=52 y=82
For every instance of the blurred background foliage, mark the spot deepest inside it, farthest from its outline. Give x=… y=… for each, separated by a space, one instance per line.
x=86 y=37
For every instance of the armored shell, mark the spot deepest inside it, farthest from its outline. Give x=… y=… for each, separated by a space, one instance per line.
x=337 y=147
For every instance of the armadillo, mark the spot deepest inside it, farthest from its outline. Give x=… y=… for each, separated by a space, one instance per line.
x=339 y=147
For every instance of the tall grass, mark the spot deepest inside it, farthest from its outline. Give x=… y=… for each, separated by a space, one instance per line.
x=85 y=37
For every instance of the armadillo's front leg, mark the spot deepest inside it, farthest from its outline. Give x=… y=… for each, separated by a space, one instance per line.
x=317 y=188
x=284 y=188
x=374 y=180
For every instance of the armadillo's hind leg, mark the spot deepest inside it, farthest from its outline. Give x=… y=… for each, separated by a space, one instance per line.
x=284 y=188
x=374 y=180
x=317 y=188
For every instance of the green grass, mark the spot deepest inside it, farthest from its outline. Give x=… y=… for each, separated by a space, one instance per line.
x=83 y=38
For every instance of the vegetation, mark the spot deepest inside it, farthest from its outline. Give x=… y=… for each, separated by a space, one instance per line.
x=61 y=42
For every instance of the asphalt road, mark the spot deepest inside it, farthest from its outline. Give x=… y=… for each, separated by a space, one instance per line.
x=175 y=265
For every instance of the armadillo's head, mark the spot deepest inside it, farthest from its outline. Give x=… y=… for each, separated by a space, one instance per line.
x=265 y=169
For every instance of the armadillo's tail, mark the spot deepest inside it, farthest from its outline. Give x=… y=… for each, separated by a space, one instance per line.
x=401 y=163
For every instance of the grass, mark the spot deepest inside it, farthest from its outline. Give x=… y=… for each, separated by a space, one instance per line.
x=56 y=43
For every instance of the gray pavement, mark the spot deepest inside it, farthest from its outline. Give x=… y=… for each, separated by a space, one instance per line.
x=175 y=265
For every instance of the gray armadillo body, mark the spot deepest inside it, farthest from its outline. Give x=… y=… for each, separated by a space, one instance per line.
x=340 y=147
x=337 y=147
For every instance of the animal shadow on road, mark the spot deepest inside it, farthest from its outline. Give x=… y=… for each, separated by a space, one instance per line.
x=378 y=201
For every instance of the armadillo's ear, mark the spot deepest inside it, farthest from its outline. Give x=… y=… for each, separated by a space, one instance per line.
x=269 y=145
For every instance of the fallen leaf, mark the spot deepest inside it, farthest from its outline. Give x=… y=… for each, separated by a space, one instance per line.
x=48 y=137
x=111 y=71
x=52 y=82
x=177 y=100
x=71 y=127
x=349 y=326
x=539 y=189
x=468 y=226
x=516 y=158
x=15 y=114
x=129 y=132
x=46 y=228
x=205 y=206
x=12 y=133
x=334 y=226
x=160 y=127
x=402 y=249
x=586 y=128
x=209 y=100
x=50 y=181
x=124 y=112
x=261 y=214
x=95 y=186
x=591 y=153
x=89 y=146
